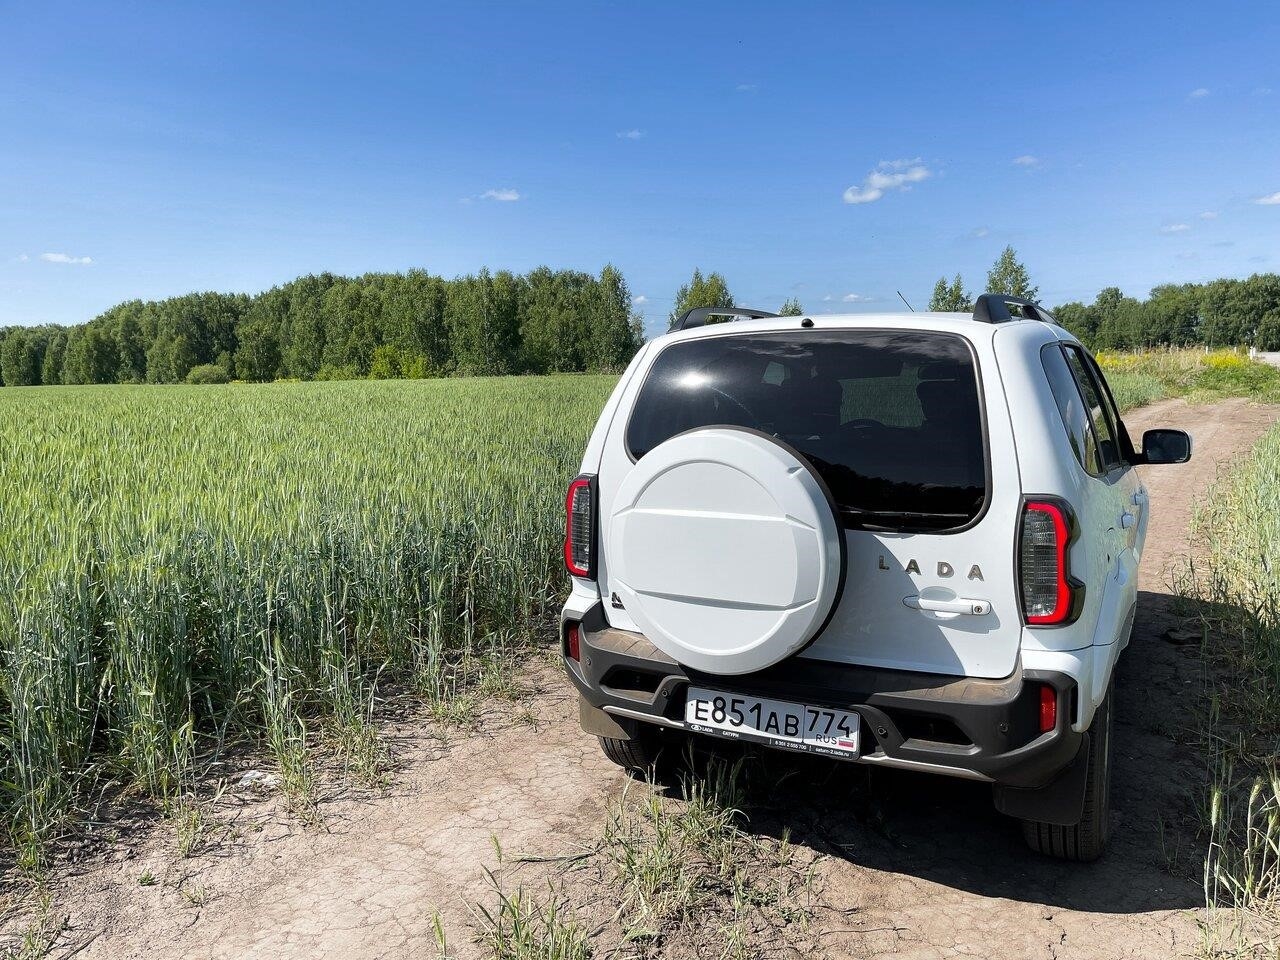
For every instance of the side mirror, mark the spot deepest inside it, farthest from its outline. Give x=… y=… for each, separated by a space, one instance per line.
x=1166 y=446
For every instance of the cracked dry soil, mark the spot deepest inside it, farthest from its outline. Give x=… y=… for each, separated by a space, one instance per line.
x=908 y=865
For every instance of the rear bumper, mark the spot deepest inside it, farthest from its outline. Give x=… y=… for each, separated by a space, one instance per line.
x=979 y=729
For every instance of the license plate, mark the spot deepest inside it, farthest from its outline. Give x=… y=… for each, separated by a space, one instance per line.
x=778 y=723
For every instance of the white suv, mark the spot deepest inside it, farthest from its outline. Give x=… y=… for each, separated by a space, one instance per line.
x=909 y=540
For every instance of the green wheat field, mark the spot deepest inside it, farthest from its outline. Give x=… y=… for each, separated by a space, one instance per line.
x=184 y=562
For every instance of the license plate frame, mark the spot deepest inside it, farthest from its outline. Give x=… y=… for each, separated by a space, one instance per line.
x=764 y=720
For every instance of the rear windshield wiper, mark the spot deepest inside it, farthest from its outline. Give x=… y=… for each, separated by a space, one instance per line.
x=883 y=519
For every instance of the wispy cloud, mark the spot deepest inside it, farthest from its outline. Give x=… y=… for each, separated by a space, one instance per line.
x=979 y=232
x=1175 y=228
x=1026 y=160
x=504 y=195
x=1262 y=91
x=1209 y=215
x=888 y=175
x=1199 y=93
x=639 y=300
x=64 y=258
x=630 y=134
x=1270 y=200
x=22 y=258
x=854 y=298
x=747 y=87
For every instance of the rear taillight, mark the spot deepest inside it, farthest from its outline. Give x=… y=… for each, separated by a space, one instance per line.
x=1049 y=595
x=579 y=529
x=1048 y=708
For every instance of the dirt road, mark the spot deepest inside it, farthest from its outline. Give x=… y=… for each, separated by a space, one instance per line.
x=922 y=867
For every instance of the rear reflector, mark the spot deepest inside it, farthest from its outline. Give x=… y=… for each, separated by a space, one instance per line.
x=573 y=644
x=1048 y=709
x=1042 y=563
x=579 y=528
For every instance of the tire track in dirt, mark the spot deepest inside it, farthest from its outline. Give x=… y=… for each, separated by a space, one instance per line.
x=920 y=867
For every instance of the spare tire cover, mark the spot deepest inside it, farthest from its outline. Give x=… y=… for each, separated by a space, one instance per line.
x=723 y=545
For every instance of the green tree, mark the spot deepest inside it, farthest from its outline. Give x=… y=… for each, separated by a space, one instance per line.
x=950 y=297
x=51 y=371
x=791 y=308
x=1008 y=276
x=700 y=291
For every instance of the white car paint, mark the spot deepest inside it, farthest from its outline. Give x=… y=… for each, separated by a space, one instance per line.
x=876 y=622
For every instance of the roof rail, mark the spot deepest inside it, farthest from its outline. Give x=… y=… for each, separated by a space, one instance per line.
x=698 y=316
x=994 y=308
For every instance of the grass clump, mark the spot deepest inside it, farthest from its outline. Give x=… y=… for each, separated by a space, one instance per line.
x=669 y=873
x=1239 y=580
x=525 y=927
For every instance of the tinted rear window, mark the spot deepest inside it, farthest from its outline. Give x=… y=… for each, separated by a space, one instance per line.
x=890 y=419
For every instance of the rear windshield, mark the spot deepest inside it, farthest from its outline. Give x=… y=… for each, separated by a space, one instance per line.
x=890 y=419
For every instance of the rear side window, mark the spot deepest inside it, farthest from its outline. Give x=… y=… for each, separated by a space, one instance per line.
x=1103 y=429
x=891 y=420
x=1075 y=416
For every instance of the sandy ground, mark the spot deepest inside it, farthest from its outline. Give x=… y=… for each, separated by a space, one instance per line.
x=918 y=867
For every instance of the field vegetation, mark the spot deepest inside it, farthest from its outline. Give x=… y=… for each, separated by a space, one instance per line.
x=1239 y=578
x=185 y=566
x=1201 y=376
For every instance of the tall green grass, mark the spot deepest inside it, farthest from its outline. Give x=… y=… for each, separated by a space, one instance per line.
x=1145 y=376
x=179 y=562
x=1239 y=522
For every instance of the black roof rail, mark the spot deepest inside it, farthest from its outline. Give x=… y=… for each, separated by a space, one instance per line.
x=698 y=316
x=994 y=308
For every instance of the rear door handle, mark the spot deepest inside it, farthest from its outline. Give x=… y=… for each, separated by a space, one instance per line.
x=974 y=608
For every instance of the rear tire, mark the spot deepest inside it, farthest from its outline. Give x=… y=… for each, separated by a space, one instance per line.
x=636 y=754
x=1086 y=840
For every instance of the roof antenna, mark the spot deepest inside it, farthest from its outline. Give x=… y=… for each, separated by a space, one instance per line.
x=904 y=300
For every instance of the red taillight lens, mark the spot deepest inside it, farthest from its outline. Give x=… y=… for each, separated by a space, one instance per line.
x=1048 y=709
x=573 y=643
x=1042 y=561
x=578 y=528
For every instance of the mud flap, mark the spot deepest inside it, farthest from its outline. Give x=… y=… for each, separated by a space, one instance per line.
x=600 y=724
x=1060 y=801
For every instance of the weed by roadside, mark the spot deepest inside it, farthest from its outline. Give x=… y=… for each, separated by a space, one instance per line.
x=1239 y=525
x=38 y=935
x=667 y=872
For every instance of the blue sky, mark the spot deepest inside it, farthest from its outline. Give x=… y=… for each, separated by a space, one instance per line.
x=151 y=150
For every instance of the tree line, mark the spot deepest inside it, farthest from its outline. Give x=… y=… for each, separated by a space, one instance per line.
x=1219 y=313
x=380 y=325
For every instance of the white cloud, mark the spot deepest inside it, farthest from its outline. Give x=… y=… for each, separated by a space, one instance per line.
x=979 y=233
x=888 y=175
x=505 y=195
x=1199 y=93
x=1026 y=160
x=854 y=298
x=1262 y=91
x=747 y=87
x=1269 y=201
x=1209 y=215
x=630 y=134
x=639 y=300
x=23 y=258
x=63 y=258
x=828 y=298
x=1175 y=228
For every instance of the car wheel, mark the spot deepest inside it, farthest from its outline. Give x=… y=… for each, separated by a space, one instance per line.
x=1086 y=840
x=636 y=754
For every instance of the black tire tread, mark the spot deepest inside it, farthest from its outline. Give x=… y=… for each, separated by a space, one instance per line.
x=637 y=754
x=1087 y=840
